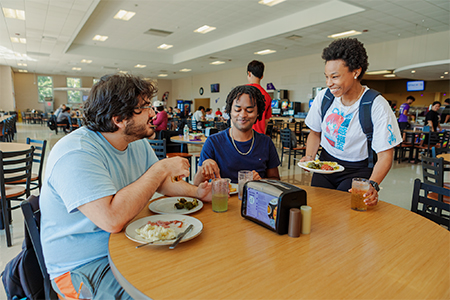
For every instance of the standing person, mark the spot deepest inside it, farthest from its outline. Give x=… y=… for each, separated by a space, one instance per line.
x=255 y=73
x=403 y=117
x=239 y=147
x=445 y=115
x=432 y=117
x=339 y=132
x=161 y=119
x=97 y=179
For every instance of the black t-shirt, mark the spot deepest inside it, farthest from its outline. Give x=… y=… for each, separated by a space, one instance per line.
x=432 y=116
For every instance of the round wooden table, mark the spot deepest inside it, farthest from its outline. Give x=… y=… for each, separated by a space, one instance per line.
x=180 y=139
x=385 y=253
x=445 y=156
x=12 y=147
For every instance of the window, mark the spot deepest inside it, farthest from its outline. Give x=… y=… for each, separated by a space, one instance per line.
x=45 y=87
x=94 y=81
x=74 y=96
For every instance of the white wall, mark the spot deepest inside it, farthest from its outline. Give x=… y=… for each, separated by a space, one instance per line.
x=7 y=100
x=299 y=75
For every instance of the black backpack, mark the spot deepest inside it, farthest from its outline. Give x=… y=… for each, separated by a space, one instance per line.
x=365 y=118
x=51 y=124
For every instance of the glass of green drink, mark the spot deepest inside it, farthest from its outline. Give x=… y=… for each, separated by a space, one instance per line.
x=220 y=190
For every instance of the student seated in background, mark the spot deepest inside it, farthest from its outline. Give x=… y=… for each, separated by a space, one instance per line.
x=239 y=147
x=209 y=114
x=64 y=118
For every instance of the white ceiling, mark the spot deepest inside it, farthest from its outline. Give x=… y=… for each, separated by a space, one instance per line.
x=59 y=32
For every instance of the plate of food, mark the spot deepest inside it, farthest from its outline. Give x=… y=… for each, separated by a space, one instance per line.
x=322 y=167
x=162 y=229
x=176 y=205
x=233 y=188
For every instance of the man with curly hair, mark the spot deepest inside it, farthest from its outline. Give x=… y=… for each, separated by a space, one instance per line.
x=339 y=132
x=239 y=147
x=97 y=179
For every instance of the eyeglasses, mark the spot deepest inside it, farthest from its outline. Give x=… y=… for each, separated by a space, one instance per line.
x=143 y=107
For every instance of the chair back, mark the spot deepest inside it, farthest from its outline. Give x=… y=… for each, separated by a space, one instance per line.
x=32 y=217
x=159 y=147
x=433 y=171
x=38 y=157
x=285 y=134
x=429 y=208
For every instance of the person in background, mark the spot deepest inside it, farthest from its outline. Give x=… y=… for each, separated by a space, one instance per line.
x=97 y=179
x=170 y=116
x=160 y=120
x=255 y=73
x=64 y=118
x=59 y=110
x=209 y=114
x=239 y=147
x=432 y=117
x=218 y=112
x=197 y=117
x=445 y=115
x=339 y=132
x=403 y=116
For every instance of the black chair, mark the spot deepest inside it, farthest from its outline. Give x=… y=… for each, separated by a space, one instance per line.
x=288 y=145
x=433 y=171
x=32 y=216
x=431 y=209
x=15 y=166
x=159 y=147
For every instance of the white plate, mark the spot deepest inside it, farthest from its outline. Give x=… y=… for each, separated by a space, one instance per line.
x=303 y=165
x=167 y=206
x=234 y=186
x=131 y=233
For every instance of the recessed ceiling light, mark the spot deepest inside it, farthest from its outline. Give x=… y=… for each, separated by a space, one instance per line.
x=165 y=46
x=23 y=71
x=344 y=34
x=264 y=52
x=14 y=13
x=162 y=75
x=204 y=29
x=124 y=15
x=270 y=2
x=217 y=62
x=21 y=64
x=185 y=70
x=413 y=71
x=76 y=69
x=442 y=76
x=140 y=66
x=100 y=38
x=18 y=40
x=123 y=72
x=446 y=72
x=380 y=72
x=86 y=61
x=389 y=75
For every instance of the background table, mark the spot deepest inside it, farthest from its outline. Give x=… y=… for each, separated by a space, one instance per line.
x=180 y=139
x=385 y=253
x=11 y=147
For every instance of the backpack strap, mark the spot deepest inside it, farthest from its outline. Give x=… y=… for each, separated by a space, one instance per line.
x=365 y=118
x=326 y=102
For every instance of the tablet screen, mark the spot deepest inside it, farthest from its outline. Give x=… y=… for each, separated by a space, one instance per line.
x=262 y=206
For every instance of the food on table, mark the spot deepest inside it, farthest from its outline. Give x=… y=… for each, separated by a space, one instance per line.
x=183 y=203
x=323 y=165
x=232 y=190
x=159 y=230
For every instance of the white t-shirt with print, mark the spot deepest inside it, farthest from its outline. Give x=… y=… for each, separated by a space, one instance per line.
x=342 y=135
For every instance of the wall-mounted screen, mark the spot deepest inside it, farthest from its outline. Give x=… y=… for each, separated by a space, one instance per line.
x=215 y=87
x=414 y=86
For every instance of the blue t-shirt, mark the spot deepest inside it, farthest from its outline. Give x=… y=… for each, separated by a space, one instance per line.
x=219 y=147
x=83 y=167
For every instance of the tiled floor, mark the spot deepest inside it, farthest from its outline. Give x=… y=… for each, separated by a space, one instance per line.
x=396 y=188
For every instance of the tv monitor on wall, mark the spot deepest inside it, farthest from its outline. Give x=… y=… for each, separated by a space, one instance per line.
x=415 y=86
x=215 y=88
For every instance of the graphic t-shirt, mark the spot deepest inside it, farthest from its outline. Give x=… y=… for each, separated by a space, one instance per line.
x=404 y=107
x=342 y=135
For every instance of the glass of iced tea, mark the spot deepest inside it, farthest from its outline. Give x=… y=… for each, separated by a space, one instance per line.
x=220 y=190
x=360 y=186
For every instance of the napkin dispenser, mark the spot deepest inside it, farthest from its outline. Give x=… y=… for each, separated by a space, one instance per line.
x=267 y=203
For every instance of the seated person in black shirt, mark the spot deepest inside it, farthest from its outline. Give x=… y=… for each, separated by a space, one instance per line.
x=432 y=117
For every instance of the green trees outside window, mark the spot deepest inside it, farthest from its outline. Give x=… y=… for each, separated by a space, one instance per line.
x=73 y=96
x=45 y=87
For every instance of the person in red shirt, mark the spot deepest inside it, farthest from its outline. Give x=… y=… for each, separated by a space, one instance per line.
x=255 y=72
x=218 y=112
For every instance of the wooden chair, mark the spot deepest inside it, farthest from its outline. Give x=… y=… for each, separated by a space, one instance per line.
x=288 y=147
x=159 y=147
x=18 y=163
x=429 y=208
x=32 y=217
x=433 y=174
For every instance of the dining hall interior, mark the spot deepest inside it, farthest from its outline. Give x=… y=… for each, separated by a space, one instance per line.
x=53 y=52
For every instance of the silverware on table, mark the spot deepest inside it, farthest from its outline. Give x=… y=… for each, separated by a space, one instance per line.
x=180 y=236
x=149 y=243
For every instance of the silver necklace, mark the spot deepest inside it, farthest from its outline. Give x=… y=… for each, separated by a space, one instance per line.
x=251 y=147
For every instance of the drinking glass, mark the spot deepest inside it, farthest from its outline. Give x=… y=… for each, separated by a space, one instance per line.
x=220 y=190
x=360 y=186
x=243 y=177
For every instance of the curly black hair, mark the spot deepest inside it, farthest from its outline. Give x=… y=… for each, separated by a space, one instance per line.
x=351 y=51
x=115 y=95
x=255 y=96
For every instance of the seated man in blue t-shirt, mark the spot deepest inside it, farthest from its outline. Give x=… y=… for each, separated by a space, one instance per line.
x=239 y=147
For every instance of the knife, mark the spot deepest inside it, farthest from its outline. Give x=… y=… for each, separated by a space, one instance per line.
x=181 y=236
